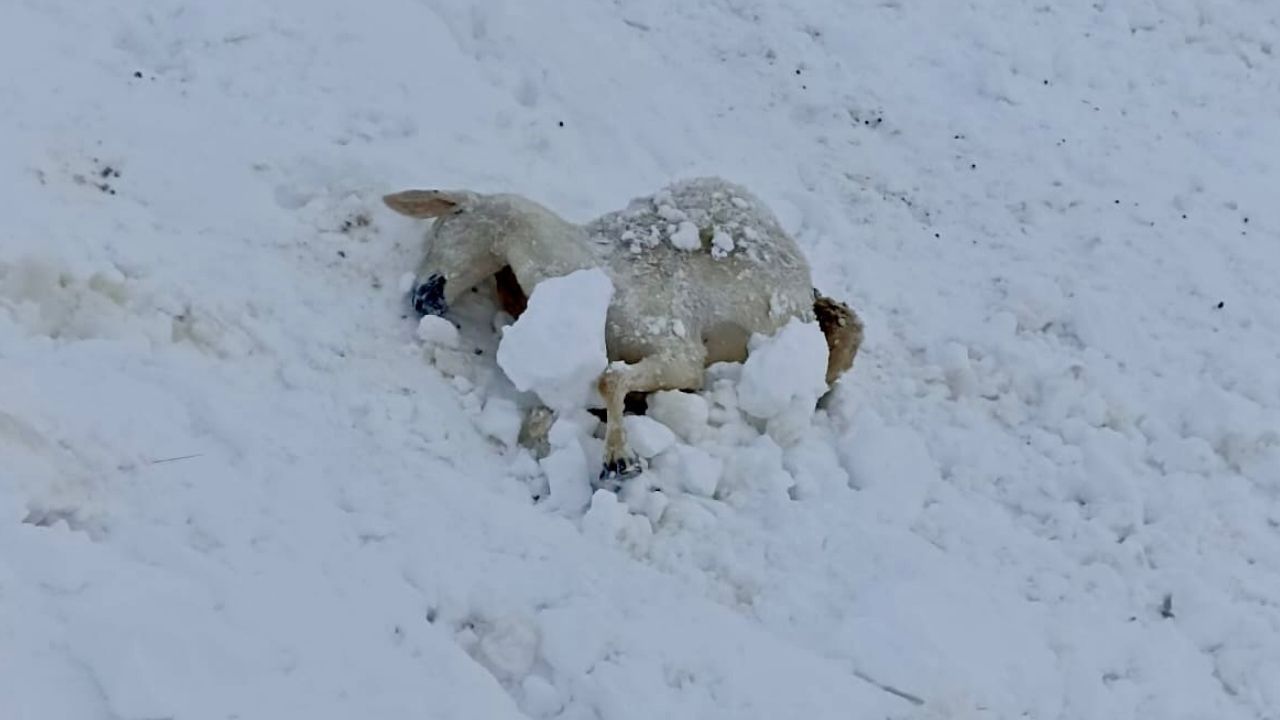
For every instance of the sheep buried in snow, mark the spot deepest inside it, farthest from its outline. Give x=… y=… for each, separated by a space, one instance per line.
x=697 y=268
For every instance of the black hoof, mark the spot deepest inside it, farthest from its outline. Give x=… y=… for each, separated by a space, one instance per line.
x=617 y=472
x=428 y=298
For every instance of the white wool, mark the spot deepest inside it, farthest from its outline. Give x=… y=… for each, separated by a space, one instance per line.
x=647 y=436
x=500 y=320
x=556 y=349
x=685 y=413
x=784 y=369
x=686 y=236
x=435 y=331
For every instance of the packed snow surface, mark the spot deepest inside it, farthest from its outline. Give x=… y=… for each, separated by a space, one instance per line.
x=235 y=480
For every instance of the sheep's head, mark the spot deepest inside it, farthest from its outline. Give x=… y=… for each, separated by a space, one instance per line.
x=459 y=245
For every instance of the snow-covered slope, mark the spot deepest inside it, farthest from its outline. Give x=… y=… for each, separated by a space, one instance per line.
x=232 y=487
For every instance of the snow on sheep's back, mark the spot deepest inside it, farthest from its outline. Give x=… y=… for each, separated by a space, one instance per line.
x=232 y=486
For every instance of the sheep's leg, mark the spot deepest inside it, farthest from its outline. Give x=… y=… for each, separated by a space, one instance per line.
x=672 y=370
x=535 y=431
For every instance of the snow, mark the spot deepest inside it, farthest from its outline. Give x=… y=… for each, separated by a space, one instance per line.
x=688 y=210
x=235 y=483
x=698 y=471
x=568 y=479
x=646 y=436
x=721 y=242
x=784 y=370
x=434 y=331
x=556 y=347
x=609 y=522
x=684 y=413
x=500 y=419
x=686 y=236
x=891 y=466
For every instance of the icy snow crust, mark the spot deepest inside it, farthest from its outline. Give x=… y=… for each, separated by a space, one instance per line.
x=234 y=482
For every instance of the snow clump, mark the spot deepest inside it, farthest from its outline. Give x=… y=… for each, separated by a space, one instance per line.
x=556 y=348
x=784 y=371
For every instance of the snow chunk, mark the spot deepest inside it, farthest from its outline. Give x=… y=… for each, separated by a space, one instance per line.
x=566 y=471
x=453 y=363
x=501 y=421
x=647 y=436
x=784 y=370
x=756 y=471
x=435 y=331
x=721 y=243
x=697 y=471
x=686 y=236
x=556 y=348
x=815 y=465
x=685 y=413
x=566 y=467
x=789 y=427
x=609 y=521
x=671 y=214
x=572 y=426
x=654 y=505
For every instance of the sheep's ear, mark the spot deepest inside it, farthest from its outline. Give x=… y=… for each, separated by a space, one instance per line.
x=423 y=203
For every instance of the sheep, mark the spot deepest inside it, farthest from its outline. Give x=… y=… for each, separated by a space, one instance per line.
x=697 y=267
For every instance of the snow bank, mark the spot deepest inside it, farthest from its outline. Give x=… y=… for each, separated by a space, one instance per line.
x=556 y=348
